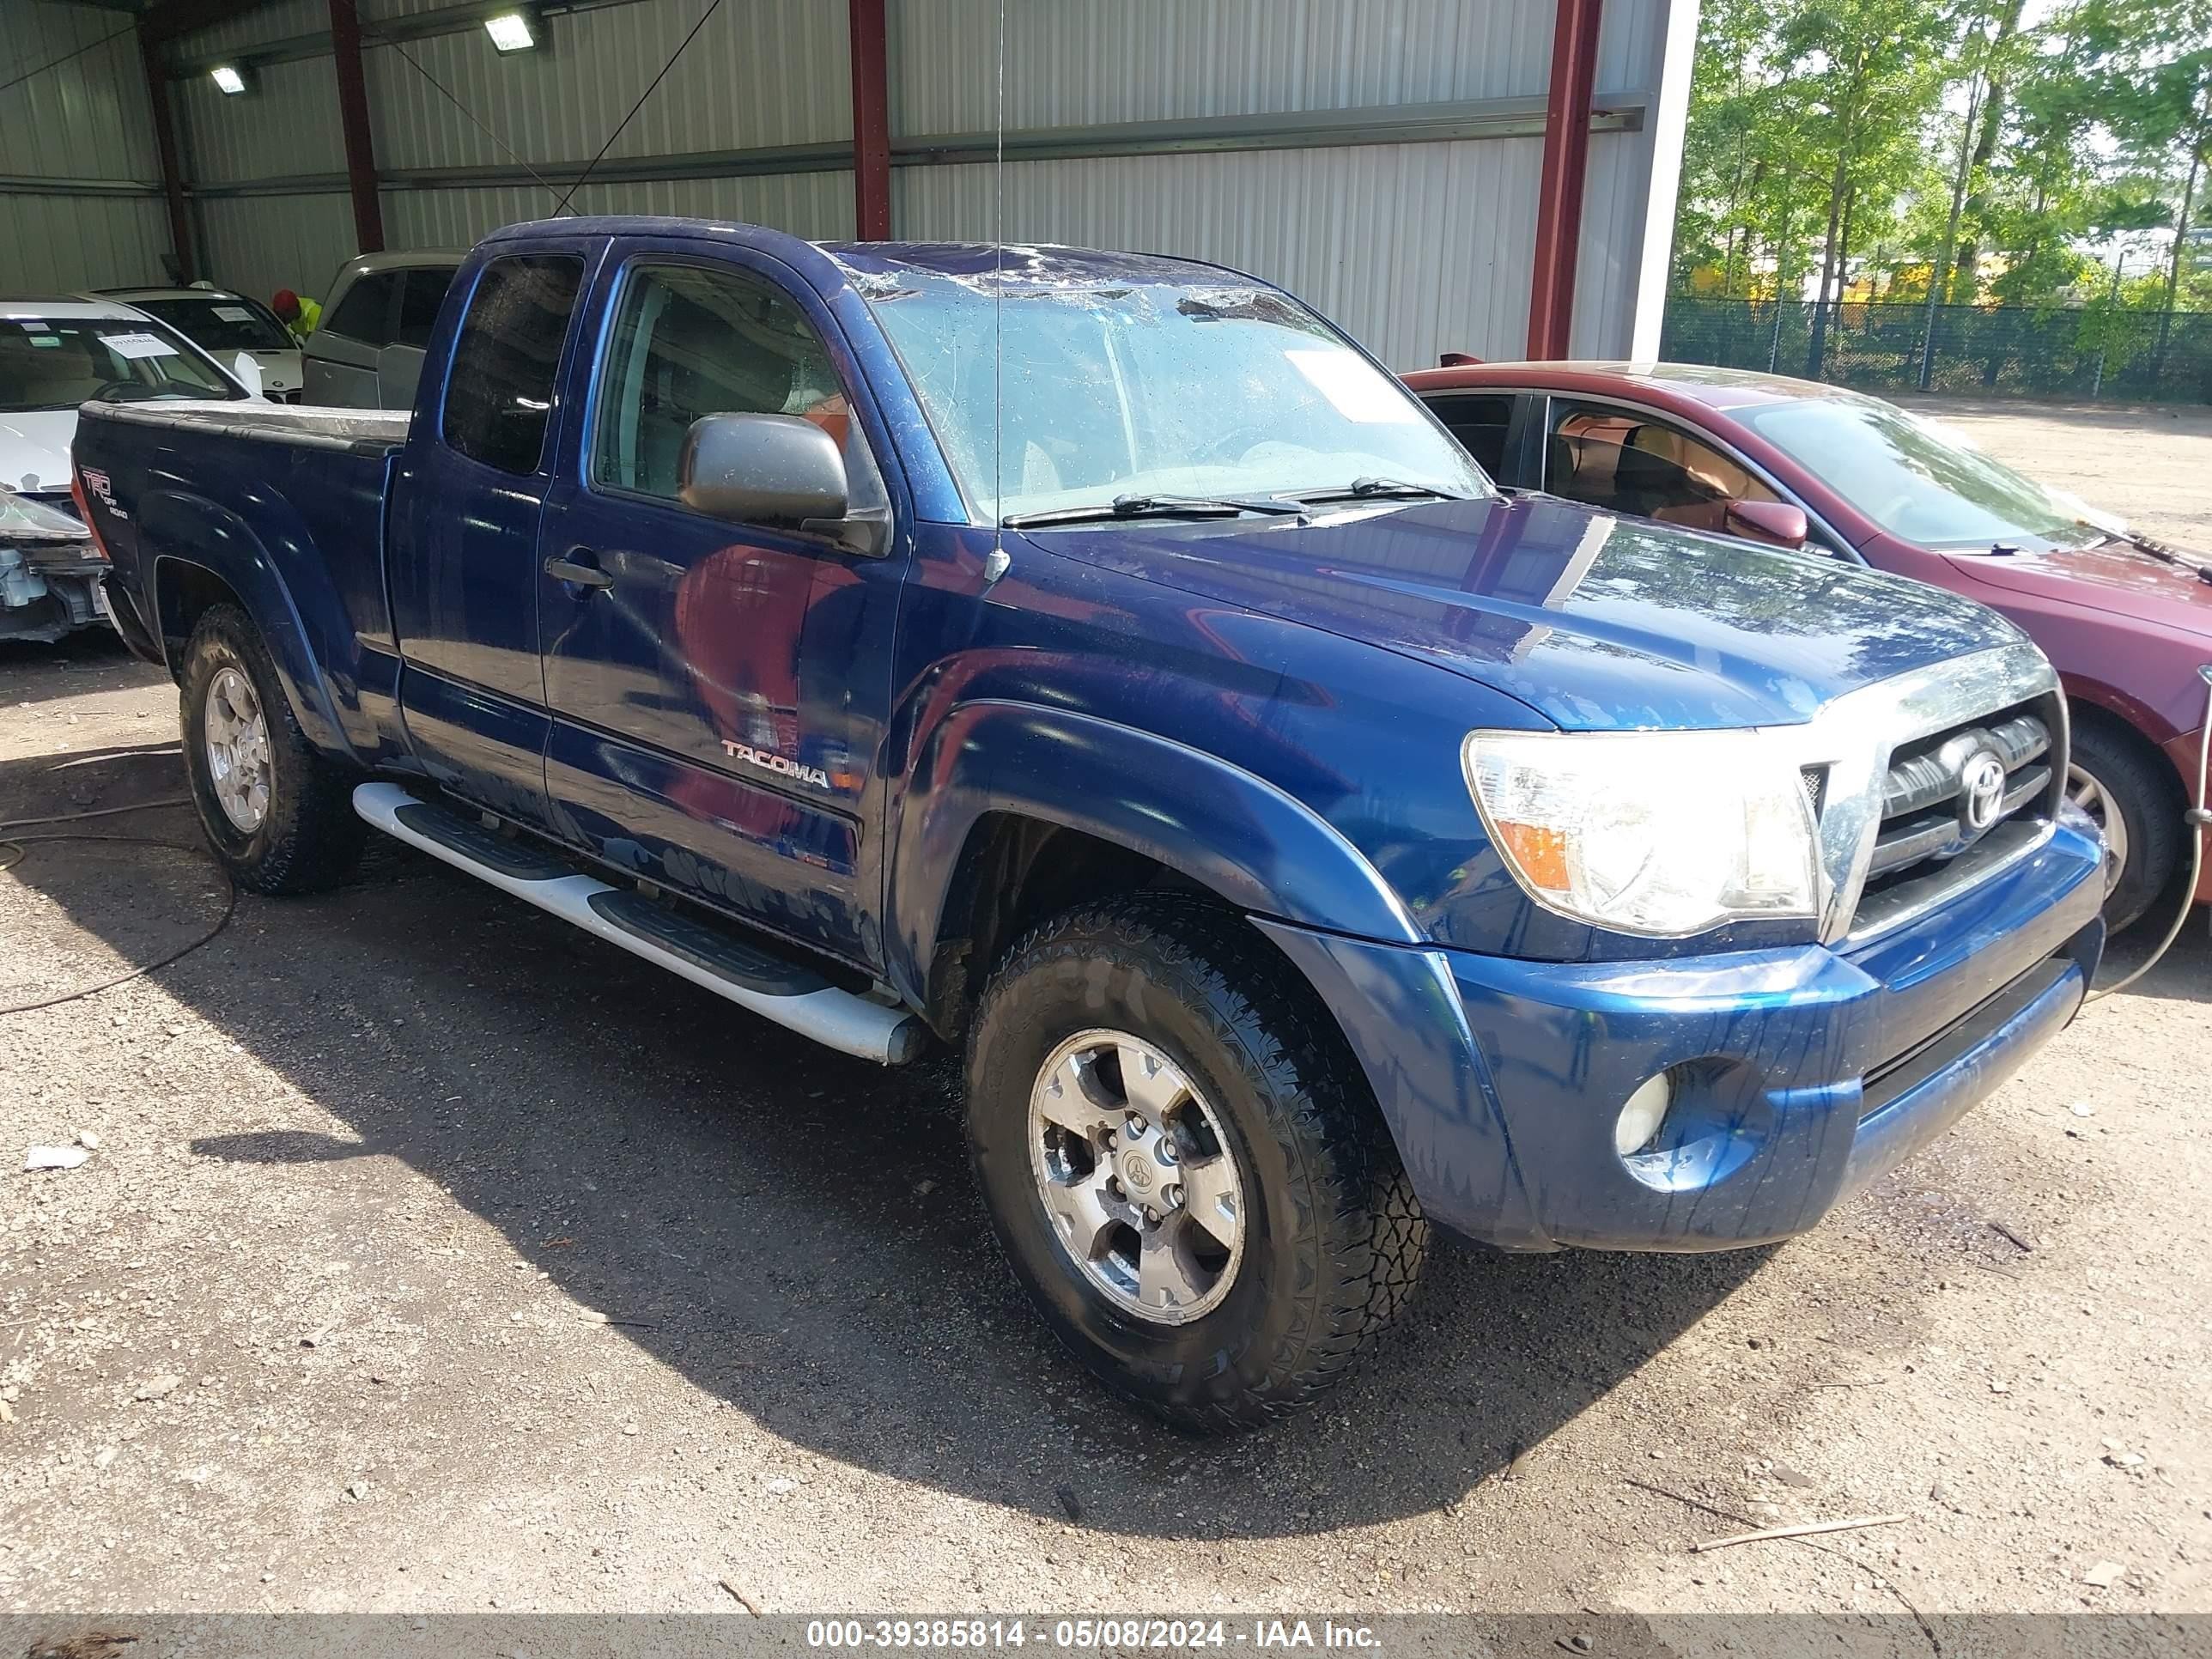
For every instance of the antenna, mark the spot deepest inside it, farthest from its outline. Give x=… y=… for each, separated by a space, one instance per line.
x=1000 y=560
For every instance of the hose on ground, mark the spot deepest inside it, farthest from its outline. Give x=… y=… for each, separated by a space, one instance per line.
x=2197 y=819
x=11 y=854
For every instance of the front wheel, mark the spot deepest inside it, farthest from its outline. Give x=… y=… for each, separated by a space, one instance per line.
x=1182 y=1164
x=2128 y=790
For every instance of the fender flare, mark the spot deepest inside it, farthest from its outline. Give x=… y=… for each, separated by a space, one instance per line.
x=1230 y=831
x=176 y=528
x=2123 y=706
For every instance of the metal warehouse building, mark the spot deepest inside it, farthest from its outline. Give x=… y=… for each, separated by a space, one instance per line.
x=1492 y=176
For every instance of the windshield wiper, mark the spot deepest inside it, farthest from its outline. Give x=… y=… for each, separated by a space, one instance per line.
x=1363 y=490
x=2157 y=550
x=1152 y=507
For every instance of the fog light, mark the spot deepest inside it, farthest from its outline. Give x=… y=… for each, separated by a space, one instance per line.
x=1638 y=1125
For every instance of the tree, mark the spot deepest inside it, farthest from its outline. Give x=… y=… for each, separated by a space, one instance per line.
x=1869 y=73
x=1934 y=152
x=2156 y=60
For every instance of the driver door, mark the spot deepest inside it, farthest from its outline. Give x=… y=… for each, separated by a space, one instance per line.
x=718 y=691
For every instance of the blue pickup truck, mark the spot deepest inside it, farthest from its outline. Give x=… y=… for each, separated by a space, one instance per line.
x=1099 y=661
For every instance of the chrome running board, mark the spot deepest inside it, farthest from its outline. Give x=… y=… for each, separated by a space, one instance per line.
x=790 y=995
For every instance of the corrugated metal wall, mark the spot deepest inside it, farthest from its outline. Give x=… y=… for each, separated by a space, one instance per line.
x=1416 y=247
x=84 y=120
x=1074 y=63
x=258 y=243
x=761 y=72
x=1413 y=248
x=288 y=125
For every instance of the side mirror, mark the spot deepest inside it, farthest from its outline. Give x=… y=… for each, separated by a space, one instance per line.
x=248 y=372
x=1778 y=523
x=774 y=470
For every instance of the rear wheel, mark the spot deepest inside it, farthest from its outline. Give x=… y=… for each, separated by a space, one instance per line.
x=278 y=815
x=2127 y=789
x=1182 y=1164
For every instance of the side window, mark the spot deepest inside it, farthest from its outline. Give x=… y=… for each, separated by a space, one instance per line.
x=365 y=313
x=419 y=300
x=499 y=392
x=689 y=342
x=1620 y=460
x=1479 y=422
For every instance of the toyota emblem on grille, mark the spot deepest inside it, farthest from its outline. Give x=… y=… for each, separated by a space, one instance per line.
x=1981 y=790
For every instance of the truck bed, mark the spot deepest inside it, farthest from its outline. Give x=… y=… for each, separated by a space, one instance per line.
x=371 y=431
x=283 y=505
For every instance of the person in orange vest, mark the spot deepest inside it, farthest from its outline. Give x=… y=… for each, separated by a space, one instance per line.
x=296 y=312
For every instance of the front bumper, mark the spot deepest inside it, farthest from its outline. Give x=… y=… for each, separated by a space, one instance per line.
x=1801 y=1075
x=44 y=600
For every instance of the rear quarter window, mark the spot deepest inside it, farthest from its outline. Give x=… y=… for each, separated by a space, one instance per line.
x=499 y=392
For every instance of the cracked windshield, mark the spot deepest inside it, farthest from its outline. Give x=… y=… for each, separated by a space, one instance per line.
x=1149 y=390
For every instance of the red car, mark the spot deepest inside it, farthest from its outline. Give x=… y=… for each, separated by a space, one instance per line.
x=2126 y=620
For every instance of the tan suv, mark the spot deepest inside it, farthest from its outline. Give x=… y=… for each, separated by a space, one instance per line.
x=368 y=349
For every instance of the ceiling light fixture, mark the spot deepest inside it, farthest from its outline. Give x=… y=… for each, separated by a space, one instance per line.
x=229 y=79
x=511 y=31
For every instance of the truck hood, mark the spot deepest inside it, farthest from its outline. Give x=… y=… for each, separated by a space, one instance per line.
x=34 y=449
x=2114 y=578
x=1597 y=622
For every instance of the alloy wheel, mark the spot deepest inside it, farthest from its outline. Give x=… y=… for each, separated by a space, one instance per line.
x=2084 y=790
x=1136 y=1176
x=237 y=737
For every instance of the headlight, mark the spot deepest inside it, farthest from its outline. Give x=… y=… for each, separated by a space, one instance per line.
x=1660 y=833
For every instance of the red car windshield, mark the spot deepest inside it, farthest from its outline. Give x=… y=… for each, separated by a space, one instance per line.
x=1919 y=481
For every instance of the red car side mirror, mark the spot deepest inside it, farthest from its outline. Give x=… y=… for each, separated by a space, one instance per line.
x=1777 y=523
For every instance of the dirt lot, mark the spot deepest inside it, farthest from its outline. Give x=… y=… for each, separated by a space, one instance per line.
x=435 y=1256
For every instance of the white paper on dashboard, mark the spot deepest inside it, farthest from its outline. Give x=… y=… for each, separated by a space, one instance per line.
x=138 y=345
x=233 y=313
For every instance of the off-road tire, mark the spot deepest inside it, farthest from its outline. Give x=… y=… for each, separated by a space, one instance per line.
x=2139 y=786
x=310 y=839
x=1335 y=1241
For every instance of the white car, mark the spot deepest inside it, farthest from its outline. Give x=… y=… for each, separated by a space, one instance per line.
x=222 y=324
x=54 y=356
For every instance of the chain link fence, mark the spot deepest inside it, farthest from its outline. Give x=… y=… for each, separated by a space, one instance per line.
x=2090 y=352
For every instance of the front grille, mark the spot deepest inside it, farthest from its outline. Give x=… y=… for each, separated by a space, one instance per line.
x=1959 y=801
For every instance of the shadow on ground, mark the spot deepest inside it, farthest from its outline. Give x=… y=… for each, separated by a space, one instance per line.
x=2183 y=973
x=90 y=659
x=795 y=1230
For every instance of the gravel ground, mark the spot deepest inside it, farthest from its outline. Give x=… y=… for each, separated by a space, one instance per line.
x=435 y=1256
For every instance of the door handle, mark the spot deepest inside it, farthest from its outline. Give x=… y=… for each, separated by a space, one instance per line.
x=576 y=571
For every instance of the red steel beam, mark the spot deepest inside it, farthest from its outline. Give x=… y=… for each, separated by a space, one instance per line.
x=1566 y=166
x=871 y=123
x=353 y=121
x=165 y=146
